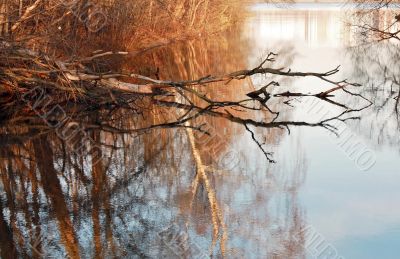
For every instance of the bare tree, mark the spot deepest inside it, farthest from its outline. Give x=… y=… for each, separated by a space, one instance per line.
x=377 y=21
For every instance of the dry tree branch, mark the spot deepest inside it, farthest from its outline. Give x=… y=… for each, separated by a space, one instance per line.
x=27 y=14
x=28 y=68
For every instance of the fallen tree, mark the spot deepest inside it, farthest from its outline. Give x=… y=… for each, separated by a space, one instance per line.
x=24 y=72
x=23 y=69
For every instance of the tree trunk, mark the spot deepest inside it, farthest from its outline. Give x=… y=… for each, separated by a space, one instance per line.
x=4 y=19
x=52 y=188
x=7 y=247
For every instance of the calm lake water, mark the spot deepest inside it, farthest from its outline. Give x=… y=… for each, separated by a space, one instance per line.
x=177 y=193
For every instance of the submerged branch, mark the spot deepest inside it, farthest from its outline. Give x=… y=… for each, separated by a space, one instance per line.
x=45 y=70
x=26 y=69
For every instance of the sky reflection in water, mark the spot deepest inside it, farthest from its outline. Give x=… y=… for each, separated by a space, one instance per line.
x=355 y=210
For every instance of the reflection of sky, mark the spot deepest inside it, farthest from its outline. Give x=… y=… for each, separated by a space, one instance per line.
x=356 y=211
x=312 y=27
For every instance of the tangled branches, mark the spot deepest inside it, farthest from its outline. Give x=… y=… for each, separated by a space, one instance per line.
x=24 y=70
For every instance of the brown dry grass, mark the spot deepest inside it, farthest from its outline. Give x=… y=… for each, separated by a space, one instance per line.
x=75 y=27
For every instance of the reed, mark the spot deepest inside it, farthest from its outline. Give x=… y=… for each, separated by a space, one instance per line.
x=75 y=27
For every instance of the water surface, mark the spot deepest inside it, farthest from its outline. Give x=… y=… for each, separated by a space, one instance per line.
x=175 y=192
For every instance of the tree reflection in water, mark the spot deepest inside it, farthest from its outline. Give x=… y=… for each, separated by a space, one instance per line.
x=152 y=163
x=376 y=66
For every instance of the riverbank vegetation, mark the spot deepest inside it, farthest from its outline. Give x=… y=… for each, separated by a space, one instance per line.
x=76 y=26
x=42 y=42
